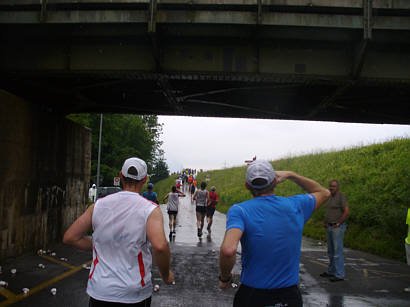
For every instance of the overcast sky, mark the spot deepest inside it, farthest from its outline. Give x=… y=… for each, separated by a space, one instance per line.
x=215 y=143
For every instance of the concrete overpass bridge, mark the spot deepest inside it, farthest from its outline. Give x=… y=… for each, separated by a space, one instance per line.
x=333 y=60
x=336 y=60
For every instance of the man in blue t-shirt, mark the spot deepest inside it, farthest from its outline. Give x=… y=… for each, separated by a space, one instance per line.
x=151 y=195
x=270 y=230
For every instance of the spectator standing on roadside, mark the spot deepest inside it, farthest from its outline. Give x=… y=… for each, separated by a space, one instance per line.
x=150 y=194
x=172 y=207
x=337 y=211
x=201 y=197
x=92 y=193
x=125 y=226
x=210 y=209
x=270 y=230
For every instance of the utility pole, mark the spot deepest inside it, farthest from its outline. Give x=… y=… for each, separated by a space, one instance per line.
x=99 y=152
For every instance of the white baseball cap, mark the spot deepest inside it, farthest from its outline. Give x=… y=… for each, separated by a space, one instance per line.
x=260 y=169
x=139 y=165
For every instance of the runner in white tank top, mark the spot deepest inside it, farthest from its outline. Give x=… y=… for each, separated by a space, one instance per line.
x=201 y=196
x=172 y=208
x=125 y=226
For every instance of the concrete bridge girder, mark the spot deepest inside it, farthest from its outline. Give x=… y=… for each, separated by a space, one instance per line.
x=207 y=17
x=264 y=58
x=170 y=50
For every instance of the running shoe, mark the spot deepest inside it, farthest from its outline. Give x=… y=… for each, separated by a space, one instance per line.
x=199 y=233
x=326 y=274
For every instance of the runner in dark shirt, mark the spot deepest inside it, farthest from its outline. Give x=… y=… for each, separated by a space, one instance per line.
x=210 y=209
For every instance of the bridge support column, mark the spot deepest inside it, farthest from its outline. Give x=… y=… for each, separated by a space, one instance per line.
x=44 y=173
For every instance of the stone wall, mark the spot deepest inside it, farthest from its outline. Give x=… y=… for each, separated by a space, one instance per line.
x=44 y=172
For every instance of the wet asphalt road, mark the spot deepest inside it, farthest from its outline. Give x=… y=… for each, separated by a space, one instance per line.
x=370 y=280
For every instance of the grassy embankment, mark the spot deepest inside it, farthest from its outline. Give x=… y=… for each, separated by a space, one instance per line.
x=375 y=180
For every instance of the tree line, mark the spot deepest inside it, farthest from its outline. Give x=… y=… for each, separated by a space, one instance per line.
x=124 y=136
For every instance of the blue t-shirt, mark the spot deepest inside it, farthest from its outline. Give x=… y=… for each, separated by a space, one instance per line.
x=150 y=196
x=272 y=229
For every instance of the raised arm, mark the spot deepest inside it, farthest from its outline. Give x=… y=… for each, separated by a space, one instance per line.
x=320 y=193
x=76 y=233
x=160 y=248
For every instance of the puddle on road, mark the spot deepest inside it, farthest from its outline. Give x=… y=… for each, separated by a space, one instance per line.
x=314 y=295
x=322 y=299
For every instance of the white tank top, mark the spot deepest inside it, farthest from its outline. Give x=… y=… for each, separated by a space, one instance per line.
x=122 y=260
x=173 y=201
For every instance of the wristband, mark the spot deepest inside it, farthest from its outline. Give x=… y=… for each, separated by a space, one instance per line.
x=225 y=280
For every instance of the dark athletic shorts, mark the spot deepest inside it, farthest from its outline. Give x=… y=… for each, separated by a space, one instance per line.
x=172 y=212
x=210 y=211
x=248 y=296
x=96 y=303
x=201 y=209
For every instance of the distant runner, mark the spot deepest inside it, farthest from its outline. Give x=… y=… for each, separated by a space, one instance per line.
x=150 y=194
x=178 y=186
x=210 y=209
x=172 y=207
x=201 y=196
x=190 y=179
x=194 y=185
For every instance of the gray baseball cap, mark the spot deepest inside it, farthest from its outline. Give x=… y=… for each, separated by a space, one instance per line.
x=260 y=169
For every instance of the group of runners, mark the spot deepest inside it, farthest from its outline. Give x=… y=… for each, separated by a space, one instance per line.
x=188 y=182
x=205 y=202
x=269 y=228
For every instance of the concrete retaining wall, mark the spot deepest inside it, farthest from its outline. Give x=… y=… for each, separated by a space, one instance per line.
x=44 y=171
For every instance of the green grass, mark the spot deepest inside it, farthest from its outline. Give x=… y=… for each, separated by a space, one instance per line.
x=375 y=180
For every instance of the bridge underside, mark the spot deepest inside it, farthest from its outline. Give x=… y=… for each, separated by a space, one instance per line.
x=265 y=70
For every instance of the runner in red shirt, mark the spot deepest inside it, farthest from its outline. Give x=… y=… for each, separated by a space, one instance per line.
x=210 y=209
x=178 y=185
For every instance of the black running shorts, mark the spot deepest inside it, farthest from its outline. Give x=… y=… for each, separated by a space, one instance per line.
x=201 y=209
x=248 y=296
x=210 y=211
